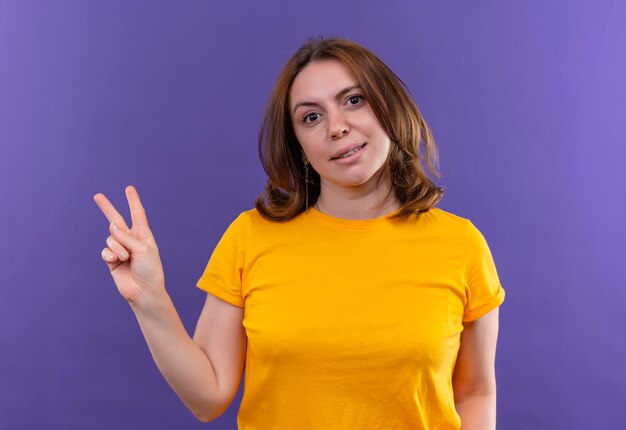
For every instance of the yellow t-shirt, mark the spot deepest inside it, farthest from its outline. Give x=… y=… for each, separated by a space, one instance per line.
x=352 y=324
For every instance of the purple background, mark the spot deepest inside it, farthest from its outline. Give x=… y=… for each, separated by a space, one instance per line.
x=526 y=102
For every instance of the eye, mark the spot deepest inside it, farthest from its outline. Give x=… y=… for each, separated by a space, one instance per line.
x=355 y=100
x=309 y=117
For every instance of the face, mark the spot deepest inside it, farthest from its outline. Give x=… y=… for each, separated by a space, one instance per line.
x=336 y=127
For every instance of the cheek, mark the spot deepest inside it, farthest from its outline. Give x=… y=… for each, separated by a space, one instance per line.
x=310 y=152
x=309 y=141
x=367 y=122
x=302 y=140
x=304 y=146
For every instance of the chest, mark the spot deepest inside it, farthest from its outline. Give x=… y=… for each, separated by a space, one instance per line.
x=350 y=301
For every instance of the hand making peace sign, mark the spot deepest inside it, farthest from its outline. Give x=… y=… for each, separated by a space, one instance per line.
x=132 y=254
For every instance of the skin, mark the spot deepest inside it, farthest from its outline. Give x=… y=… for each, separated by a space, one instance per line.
x=326 y=120
x=205 y=371
x=474 y=378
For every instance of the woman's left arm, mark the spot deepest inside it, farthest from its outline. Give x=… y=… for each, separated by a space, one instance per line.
x=474 y=378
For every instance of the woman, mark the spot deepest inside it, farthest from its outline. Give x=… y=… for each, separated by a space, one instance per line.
x=352 y=301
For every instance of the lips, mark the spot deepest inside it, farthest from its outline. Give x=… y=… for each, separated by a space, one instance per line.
x=347 y=149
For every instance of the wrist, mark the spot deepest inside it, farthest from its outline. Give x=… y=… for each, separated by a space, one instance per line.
x=151 y=301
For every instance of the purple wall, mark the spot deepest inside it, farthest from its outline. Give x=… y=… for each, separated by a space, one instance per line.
x=527 y=104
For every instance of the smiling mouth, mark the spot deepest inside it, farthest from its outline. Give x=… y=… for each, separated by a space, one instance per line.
x=350 y=152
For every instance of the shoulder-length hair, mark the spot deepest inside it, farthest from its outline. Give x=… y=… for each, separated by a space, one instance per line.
x=412 y=150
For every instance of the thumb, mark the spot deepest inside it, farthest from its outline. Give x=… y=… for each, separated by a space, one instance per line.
x=126 y=239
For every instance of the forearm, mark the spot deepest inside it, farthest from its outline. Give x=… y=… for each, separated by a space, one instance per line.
x=185 y=367
x=477 y=412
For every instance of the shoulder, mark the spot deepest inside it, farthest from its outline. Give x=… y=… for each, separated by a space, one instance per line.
x=444 y=221
x=253 y=218
x=246 y=218
x=445 y=216
x=454 y=227
x=462 y=229
x=251 y=221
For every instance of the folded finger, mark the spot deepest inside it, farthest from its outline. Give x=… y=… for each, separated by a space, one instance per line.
x=117 y=248
x=126 y=239
x=109 y=256
x=110 y=259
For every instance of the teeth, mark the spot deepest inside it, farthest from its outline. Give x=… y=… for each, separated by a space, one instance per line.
x=350 y=152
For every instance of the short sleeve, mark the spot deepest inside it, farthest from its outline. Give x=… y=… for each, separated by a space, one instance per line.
x=480 y=278
x=223 y=273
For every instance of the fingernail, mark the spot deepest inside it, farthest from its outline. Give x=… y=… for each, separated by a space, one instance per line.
x=124 y=255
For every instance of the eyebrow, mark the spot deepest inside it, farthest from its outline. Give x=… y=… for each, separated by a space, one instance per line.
x=339 y=95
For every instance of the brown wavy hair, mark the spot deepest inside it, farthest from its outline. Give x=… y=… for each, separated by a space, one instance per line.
x=412 y=151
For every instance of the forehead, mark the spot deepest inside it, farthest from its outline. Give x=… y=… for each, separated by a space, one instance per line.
x=320 y=80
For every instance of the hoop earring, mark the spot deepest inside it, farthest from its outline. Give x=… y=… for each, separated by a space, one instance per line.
x=306 y=186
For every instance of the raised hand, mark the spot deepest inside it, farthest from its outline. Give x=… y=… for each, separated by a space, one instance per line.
x=132 y=254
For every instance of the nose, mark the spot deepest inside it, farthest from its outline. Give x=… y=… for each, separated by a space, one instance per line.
x=338 y=125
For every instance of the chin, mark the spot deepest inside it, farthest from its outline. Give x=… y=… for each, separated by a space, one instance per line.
x=355 y=181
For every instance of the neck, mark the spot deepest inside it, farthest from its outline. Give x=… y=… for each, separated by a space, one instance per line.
x=367 y=201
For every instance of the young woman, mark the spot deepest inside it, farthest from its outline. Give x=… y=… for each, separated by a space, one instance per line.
x=350 y=299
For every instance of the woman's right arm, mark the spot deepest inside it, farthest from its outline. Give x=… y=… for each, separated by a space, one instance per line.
x=205 y=372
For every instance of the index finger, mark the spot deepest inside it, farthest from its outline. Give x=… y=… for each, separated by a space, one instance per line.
x=137 y=212
x=109 y=210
